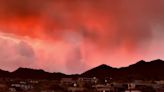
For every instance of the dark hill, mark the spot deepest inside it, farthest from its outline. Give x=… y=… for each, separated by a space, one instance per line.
x=35 y=74
x=101 y=72
x=146 y=70
x=4 y=73
x=30 y=73
x=141 y=70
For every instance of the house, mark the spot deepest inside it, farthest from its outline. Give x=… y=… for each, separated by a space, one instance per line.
x=103 y=88
x=33 y=81
x=160 y=82
x=21 y=86
x=12 y=89
x=15 y=89
x=66 y=82
x=87 y=80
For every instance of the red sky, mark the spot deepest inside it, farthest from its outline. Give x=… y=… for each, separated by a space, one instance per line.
x=72 y=36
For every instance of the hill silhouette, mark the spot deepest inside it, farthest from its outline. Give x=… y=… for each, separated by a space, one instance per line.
x=152 y=70
x=140 y=70
x=101 y=71
x=30 y=73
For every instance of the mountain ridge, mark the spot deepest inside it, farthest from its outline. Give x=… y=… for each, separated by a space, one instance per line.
x=140 y=70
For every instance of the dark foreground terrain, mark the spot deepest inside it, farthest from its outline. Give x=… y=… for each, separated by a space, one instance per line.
x=140 y=77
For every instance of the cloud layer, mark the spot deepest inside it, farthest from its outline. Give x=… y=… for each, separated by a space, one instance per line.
x=77 y=35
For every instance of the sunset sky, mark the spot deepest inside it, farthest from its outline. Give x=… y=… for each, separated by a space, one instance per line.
x=71 y=36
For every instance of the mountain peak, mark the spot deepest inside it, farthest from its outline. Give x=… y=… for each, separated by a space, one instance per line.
x=141 y=62
x=157 y=60
x=100 y=71
x=104 y=66
x=22 y=68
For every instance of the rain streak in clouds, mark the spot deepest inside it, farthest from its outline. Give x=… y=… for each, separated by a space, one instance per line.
x=72 y=36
